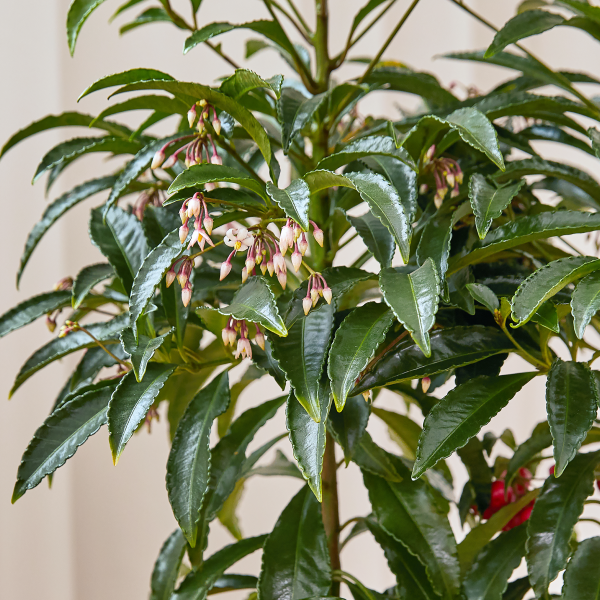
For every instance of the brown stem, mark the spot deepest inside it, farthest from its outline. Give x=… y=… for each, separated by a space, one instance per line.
x=330 y=508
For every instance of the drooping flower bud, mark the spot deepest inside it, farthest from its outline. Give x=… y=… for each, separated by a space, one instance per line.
x=186 y=294
x=250 y=263
x=270 y=266
x=307 y=304
x=314 y=296
x=194 y=206
x=50 y=323
x=171 y=161
x=317 y=234
x=429 y=154
x=183 y=233
x=259 y=338
x=282 y=278
x=296 y=260
x=208 y=224
x=171 y=276
x=303 y=244
x=226 y=266
x=191 y=115
x=327 y=294
x=423 y=189
x=425 y=384
x=244 y=275
x=158 y=159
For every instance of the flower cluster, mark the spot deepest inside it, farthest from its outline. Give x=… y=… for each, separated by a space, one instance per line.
x=446 y=172
x=67 y=328
x=203 y=223
x=502 y=497
x=317 y=288
x=182 y=274
x=201 y=145
x=230 y=336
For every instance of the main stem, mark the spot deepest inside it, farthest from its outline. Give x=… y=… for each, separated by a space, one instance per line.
x=330 y=507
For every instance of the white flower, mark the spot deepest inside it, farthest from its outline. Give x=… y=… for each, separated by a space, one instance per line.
x=240 y=239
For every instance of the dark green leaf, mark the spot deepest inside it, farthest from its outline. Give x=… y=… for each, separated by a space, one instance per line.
x=585 y=302
x=230 y=582
x=526 y=24
x=265 y=360
x=349 y=426
x=547 y=281
x=354 y=345
x=87 y=279
x=130 y=403
x=150 y=15
x=414 y=298
x=484 y=295
x=32 y=309
x=489 y=201
x=376 y=237
x=293 y=200
x=93 y=361
x=301 y=356
x=161 y=104
x=188 y=466
x=435 y=244
x=294 y=112
x=295 y=561
x=125 y=78
x=166 y=567
x=403 y=430
x=79 y=11
x=488 y=578
x=572 y=405
x=308 y=438
x=462 y=413
x=60 y=436
x=539 y=440
x=372 y=458
x=142 y=350
x=554 y=516
x=517 y=589
x=582 y=578
x=244 y=81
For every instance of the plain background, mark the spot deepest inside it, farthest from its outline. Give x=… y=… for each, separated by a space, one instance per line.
x=96 y=534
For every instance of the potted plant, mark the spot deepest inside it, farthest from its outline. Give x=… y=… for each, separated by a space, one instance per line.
x=202 y=237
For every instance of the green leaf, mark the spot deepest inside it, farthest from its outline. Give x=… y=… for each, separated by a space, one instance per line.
x=349 y=426
x=60 y=347
x=308 y=438
x=539 y=440
x=255 y=302
x=526 y=24
x=188 y=466
x=410 y=573
x=295 y=561
x=150 y=15
x=142 y=350
x=375 y=460
x=60 y=436
x=301 y=356
x=265 y=361
x=462 y=413
x=546 y=282
x=196 y=585
x=130 y=403
x=198 y=175
x=585 y=302
x=484 y=295
x=376 y=237
x=407 y=511
x=244 y=81
x=403 y=430
x=572 y=405
x=293 y=200
x=373 y=145
x=489 y=201
x=554 y=516
x=450 y=348
x=166 y=567
x=79 y=11
x=528 y=229
x=121 y=240
x=160 y=104
x=33 y=308
x=488 y=577
x=151 y=273
x=294 y=112
x=364 y=12
x=582 y=578
x=125 y=78
x=517 y=589
x=87 y=279
x=594 y=136
x=414 y=298
x=56 y=210
x=354 y=345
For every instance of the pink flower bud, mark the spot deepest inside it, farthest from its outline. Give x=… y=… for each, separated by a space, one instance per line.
x=244 y=275
x=216 y=159
x=250 y=263
x=216 y=123
x=158 y=160
x=247 y=347
x=50 y=323
x=279 y=262
x=425 y=384
x=232 y=337
x=225 y=335
x=430 y=152
x=263 y=267
x=450 y=178
x=423 y=189
x=327 y=294
x=171 y=161
x=183 y=213
x=183 y=233
x=186 y=294
x=208 y=224
x=282 y=278
x=191 y=115
x=314 y=296
x=270 y=267
x=296 y=260
x=225 y=269
x=171 y=275
x=259 y=338
x=303 y=244
x=318 y=235
x=307 y=304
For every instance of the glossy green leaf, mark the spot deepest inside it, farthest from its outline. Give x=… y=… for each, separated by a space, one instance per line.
x=354 y=345
x=197 y=584
x=60 y=347
x=349 y=426
x=60 y=436
x=538 y=441
x=403 y=430
x=528 y=229
x=161 y=104
x=130 y=402
x=554 y=516
x=166 y=567
x=56 y=210
x=293 y=200
x=572 y=405
x=301 y=356
x=450 y=348
x=546 y=282
x=489 y=201
x=376 y=237
x=414 y=298
x=151 y=273
x=244 y=81
x=526 y=24
x=295 y=561
x=265 y=361
x=33 y=308
x=582 y=578
x=141 y=350
x=407 y=512
x=125 y=78
x=488 y=578
x=484 y=295
x=366 y=146
x=199 y=175
x=255 y=302
x=150 y=15
x=294 y=112
x=585 y=302
x=79 y=11
x=410 y=572
x=435 y=244
x=375 y=460
x=188 y=466
x=308 y=438
x=517 y=589
x=87 y=279
x=230 y=582
x=462 y=413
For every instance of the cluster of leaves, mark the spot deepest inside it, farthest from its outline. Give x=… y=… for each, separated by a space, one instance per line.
x=486 y=274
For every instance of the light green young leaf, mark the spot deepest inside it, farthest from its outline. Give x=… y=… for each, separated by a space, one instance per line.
x=88 y=278
x=141 y=350
x=244 y=81
x=585 y=302
x=293 y=200
x=484 y=295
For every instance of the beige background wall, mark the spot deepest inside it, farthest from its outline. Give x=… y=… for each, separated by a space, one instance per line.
x=96 y=534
